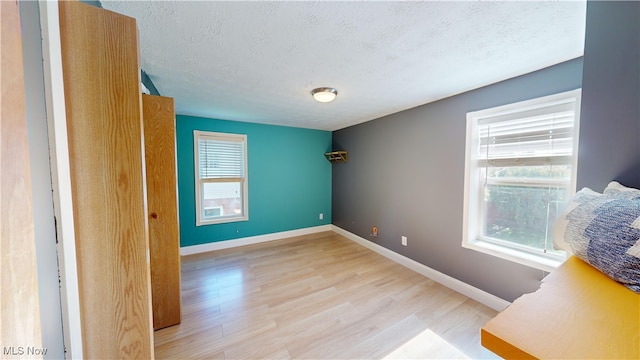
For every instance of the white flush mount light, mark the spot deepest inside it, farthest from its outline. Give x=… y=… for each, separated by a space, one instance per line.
x=324 y=94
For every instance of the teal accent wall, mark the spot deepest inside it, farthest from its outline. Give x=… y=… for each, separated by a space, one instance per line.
x=289 y=179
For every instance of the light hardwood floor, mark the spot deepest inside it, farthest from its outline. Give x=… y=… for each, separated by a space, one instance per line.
x=319 y=296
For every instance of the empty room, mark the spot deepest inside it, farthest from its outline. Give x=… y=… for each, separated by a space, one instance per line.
x=320 y=179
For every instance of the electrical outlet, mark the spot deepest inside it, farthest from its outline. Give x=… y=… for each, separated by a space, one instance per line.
x=404 y=241
x=374 y=231
x=321 y=217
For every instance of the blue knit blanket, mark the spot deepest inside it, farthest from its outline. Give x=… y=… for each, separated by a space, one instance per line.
x=604 y=230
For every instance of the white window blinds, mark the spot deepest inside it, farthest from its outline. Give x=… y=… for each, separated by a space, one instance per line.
x=538 y=136
x=221 y=158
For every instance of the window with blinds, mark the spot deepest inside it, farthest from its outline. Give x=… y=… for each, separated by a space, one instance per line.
x=520 y=174
x=221 y=177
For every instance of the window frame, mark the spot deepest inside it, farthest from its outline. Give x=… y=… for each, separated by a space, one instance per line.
x=241 y=138
x=473 y=219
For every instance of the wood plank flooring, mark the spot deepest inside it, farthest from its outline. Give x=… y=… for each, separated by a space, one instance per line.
x=319 y=296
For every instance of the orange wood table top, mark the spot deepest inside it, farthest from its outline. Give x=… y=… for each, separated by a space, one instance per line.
x=577 y=313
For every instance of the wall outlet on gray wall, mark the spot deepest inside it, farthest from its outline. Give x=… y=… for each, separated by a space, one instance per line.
x=404 y=241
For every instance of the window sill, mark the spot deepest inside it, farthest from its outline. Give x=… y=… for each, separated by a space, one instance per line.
x=222 y=221
x=520 y=257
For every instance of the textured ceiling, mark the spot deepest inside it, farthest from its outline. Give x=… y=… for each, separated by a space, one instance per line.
x=259 y=61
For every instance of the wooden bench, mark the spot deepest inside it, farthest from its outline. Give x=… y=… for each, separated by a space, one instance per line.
x=578 y=313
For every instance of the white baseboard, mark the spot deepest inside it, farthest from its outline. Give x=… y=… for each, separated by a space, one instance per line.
x=472 y=292
x=219 y=245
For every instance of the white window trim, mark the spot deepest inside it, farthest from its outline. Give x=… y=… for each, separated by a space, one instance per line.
x=472 y=217
x=198 y=188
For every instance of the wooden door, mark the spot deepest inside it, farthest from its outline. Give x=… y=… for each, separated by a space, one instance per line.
x=101 y=78
x=164 y=237
x=20 y=324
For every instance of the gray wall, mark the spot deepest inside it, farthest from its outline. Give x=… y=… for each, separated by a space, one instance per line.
x=43 y=217
x=406 y=175
x=610 y=120
x=406 y=171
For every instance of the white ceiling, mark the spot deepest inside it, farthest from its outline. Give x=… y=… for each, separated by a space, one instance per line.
x=259 y=61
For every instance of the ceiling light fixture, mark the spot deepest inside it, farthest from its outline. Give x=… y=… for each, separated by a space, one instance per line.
x=324 y=94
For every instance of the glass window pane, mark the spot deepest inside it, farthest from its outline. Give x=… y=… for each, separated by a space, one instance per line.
x=223 y=199
x=522 y=215
x=555 y=172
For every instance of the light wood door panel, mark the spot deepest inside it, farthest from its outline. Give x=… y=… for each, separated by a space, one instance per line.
x=20 y=306
x=164 y=238
x=104 y=123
